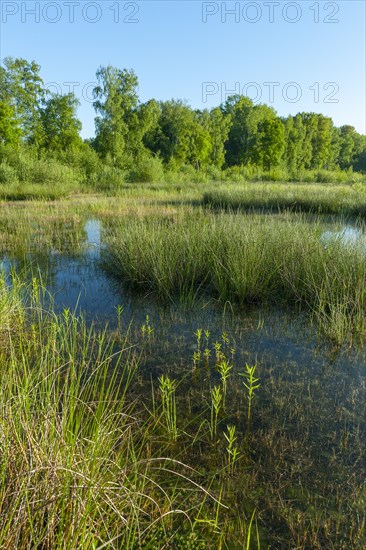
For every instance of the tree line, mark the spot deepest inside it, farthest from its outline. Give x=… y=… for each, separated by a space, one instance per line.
x=129 y=132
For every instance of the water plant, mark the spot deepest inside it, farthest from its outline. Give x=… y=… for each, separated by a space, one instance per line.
x=146 y=329
x=167 y=389
x=216 y=405
x=232 y=450
x=251 y=385
x=224 y=369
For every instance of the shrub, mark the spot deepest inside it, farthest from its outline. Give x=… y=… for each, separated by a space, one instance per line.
x=148 y=170
x=8 y=174
x=107 y=178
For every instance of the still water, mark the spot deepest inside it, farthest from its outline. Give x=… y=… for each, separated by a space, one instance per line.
x=79 y=283
x=306 y=461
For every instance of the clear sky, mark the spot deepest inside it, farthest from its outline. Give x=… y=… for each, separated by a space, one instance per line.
x=295 y=56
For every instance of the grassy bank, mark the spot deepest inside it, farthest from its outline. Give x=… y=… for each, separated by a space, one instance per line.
x=245 y=259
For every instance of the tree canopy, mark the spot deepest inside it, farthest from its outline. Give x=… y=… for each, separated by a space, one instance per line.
x=236 y=133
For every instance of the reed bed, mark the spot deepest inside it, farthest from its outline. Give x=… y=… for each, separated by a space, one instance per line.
x=345 y=200
x=245 y=259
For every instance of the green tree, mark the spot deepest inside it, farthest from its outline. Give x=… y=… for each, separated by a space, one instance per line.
x=322 y=140
x=294 y=139
x=247 y=132
x=219 y=129
x=122 y=122
x=334 y=150
x=10 y=131
x=240 y=137
x=359 y=159
x=115 y=99
x=23 y=88
x=181 y=135
x=348 y=145
x=310 y=123
x=60 y=123
x=269 y=144
x=140 y=121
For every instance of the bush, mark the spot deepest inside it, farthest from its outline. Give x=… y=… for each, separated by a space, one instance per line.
x=8 y=174
x=214 y=173
x=107 y=178
x=149 y=170
x=84 y=159
x=190 y=174
x=51 y=172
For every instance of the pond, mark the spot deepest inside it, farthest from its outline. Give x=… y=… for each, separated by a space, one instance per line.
x=349 y=236
x=305 y=459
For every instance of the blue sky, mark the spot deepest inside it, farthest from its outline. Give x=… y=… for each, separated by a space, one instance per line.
x=295 y=56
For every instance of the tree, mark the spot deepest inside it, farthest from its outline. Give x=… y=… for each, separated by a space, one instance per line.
x=60 y=123
x=240 y=109
x=122 y=122
x=142 y=120
x=270 y=143
x=219 y=129
x=181 y=135
x=310 y=123
x=294 y=139
x=348 y=144
x=359 y=159
x=322 y=140
x=334 y=150
x=10 y=131
x=22 y=87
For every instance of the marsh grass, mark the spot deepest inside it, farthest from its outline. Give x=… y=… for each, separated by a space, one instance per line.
x=76 y=466
x=342 y=199
x=41 y=228
x=245 y=259
x=85 y=461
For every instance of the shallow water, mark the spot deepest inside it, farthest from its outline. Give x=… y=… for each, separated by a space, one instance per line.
x=348 y=236
x=79 y=283
x=309 y=423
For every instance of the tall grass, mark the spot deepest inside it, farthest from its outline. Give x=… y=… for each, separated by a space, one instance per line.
x=76 y=465
x=245 y=259
x=244 y=174
x=27 y=178
x=321 y=199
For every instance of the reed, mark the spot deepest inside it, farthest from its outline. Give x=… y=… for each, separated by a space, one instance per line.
x=76 y=467
x=342 y=199
x=246 y=259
